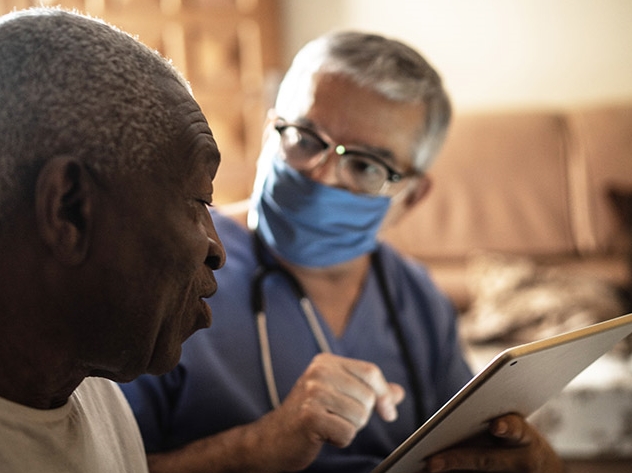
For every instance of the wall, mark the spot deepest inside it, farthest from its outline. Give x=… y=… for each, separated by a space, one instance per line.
x=495 y=54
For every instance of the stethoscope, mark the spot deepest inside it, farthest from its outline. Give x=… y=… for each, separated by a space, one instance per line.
x=265 y=269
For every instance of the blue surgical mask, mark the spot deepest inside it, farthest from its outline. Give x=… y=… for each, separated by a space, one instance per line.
x=311 y=224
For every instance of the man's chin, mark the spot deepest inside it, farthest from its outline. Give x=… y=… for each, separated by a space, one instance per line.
x=166 y=362
x=116 y=377
x=156 y=366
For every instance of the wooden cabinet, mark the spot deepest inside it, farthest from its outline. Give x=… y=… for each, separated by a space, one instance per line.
x=227 y=49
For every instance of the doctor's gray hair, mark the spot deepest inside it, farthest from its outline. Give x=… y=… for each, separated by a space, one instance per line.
x=383 y=65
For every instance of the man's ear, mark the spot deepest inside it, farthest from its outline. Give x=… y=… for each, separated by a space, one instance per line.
x=64 y=208
x=408 y=199
x=419 y=189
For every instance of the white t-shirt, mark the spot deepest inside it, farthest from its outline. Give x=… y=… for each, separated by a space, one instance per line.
x=93 y=432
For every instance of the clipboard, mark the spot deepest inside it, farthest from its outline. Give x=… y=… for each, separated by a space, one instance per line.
x=518 y=380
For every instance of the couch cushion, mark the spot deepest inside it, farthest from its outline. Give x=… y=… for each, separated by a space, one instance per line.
x=500 y=184
x=600 y=156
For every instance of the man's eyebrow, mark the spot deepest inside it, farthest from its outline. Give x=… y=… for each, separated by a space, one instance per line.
x=383 y=153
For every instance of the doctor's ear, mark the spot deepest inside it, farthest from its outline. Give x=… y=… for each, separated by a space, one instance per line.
x=64 y=208
x=417 y=190
x=414 y=192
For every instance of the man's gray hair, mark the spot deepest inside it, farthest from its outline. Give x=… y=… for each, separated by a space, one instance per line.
x=384 y=65
x=72 y=85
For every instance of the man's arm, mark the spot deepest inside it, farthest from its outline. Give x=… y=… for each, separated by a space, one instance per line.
x=329 y=403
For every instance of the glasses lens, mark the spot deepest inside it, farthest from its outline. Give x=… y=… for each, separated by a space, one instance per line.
x=303 y=149
x=300 y=146
x=362 y=173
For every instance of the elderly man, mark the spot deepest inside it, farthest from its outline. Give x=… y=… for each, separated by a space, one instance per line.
x=321 y=325
x=106 y=242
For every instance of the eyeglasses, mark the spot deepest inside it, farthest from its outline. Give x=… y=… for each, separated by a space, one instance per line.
x=359 y=171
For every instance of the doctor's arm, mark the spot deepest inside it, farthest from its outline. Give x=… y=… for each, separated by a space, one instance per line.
x=330 y=403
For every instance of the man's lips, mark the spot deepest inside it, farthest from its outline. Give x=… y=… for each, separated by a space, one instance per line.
x=209 y=289
x=204 y=314
x=203 y=318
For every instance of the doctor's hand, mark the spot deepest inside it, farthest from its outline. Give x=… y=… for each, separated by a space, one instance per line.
x=330 y=403
x=512 y=445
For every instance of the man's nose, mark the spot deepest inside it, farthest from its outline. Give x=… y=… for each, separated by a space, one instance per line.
x=216 y=255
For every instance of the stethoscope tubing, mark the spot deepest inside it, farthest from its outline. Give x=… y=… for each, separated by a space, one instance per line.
x=262 y=325
x=258 y=307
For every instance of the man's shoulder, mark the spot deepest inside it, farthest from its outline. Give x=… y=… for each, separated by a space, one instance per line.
x=96 y=422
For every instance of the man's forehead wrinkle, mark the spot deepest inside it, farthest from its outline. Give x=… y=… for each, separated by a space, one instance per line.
x=193 y=120
x=194 y=135
x=190 y=110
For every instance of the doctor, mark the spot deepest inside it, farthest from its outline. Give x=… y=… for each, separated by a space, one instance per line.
x=328 y=348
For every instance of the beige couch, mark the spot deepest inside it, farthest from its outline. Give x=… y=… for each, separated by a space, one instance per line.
x=528 y=183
